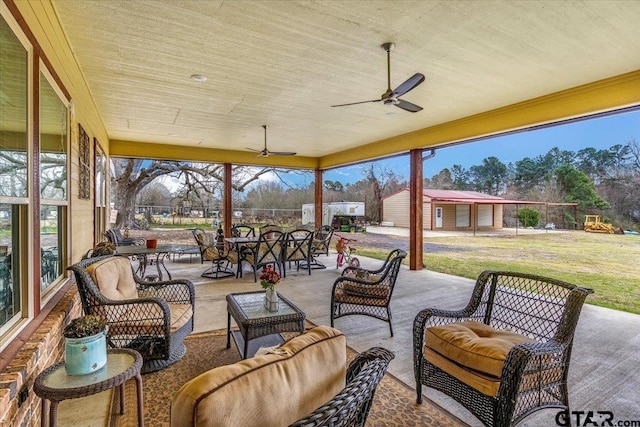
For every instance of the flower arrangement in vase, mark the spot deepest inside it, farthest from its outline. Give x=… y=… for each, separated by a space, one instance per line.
x=85 y=349
x=268 y=280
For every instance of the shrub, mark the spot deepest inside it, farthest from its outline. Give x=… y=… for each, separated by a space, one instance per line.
x=529 y=217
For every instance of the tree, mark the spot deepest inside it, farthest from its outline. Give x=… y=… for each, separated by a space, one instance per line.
x=333 y=185
x=577 y=188
x=381 y=182
x=490 y=177
x=130 y=176
x=443 y=180
x=460 y=178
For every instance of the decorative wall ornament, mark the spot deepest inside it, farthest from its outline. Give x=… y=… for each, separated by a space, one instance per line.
x=84 y=149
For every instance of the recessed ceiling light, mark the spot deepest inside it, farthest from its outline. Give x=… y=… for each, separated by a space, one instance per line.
x=199 y=78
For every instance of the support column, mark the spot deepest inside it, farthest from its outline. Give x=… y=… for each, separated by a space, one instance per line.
x=415 y=210
x=318 y=199
x=228 y=206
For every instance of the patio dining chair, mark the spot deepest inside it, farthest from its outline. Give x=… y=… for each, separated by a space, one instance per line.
x=115 y=236
x=221 y=255
x=320 y=245
x=266 y=251
x=240 y=230
x=506 y=354
x=297 y=249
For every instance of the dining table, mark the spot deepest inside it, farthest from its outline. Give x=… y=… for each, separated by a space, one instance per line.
x=149 y=257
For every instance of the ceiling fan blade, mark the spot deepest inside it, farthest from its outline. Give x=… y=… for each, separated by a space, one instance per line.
x=283 y=153
x=355 y=103
x=408 y=106
x=252 y=149
x=409 y=84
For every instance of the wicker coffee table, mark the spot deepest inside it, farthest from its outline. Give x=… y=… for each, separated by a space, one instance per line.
x=257 y=326
x=54 y=385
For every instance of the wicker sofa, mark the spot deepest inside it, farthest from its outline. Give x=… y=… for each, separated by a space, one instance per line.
x=304 y=382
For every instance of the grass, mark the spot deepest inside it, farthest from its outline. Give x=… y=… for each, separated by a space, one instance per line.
x=607 y=263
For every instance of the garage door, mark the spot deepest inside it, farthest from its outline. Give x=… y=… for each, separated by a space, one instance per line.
x=485 y=215
x=463 y=215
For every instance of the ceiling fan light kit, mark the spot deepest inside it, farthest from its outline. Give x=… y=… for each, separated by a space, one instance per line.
x=266 y=153
x=391 y=97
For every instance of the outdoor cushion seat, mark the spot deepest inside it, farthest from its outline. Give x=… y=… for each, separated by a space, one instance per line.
x=474 y=345
x=179 y=315
x=507 y=353
x=150 y=317
x=379 y=291
x=303 y=382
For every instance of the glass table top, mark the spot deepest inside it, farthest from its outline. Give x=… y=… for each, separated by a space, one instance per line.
x=252 y=304
x=117 y=363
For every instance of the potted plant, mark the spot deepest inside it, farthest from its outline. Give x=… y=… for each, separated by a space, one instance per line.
x=85 y=349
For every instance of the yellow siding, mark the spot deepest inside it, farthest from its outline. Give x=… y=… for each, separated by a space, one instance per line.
x=42 y=20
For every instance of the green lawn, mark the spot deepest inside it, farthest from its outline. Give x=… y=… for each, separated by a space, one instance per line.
x=607 y=263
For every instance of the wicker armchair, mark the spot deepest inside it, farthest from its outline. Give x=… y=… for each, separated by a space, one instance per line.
x=367 y=292
x=114 y=236
x=507 y=353
x=150 y=317
x=351 y=406
x=218 y=252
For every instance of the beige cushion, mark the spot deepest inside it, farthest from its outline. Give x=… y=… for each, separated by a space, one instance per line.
x=368 y=291
x=474 y=345
x=269 y=390
x=114 y=278
x=148 y=318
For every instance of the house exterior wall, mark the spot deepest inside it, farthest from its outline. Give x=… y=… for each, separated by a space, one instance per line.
x=396 y=210
x=37 y=343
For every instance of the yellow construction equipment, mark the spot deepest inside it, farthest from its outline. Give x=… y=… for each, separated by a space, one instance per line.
x=594 y=224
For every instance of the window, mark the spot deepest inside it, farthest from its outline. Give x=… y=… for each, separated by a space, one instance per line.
x=53 y=183
x=100 y=175
x=14 y=172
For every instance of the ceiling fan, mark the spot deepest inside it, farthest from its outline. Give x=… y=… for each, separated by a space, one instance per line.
x=391 y=97
x=266 y=153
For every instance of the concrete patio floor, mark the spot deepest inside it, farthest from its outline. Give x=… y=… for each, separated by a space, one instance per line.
x=604 y=373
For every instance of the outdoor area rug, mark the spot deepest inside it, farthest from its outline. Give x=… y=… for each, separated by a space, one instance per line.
x=394 y=403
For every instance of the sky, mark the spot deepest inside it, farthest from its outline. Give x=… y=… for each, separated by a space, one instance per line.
x=599 y=133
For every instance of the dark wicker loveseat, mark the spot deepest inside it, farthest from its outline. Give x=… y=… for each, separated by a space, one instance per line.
x=507 y=353
x=150 y=317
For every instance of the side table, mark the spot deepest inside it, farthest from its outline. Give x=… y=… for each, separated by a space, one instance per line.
x=54 y=385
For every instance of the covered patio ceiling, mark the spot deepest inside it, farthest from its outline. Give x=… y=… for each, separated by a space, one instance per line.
x=490 y=67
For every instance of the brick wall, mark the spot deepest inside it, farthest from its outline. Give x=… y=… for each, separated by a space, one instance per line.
x=19 y=405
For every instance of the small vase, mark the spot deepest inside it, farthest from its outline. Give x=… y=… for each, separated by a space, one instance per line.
x=85 y=355
x=271 y=301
